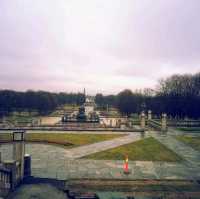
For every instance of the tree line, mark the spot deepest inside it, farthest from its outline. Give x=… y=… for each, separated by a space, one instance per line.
x=177 y=95
x=41 y=101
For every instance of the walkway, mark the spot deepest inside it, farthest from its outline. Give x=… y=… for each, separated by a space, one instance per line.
x=82 y=151
x=191 y=156
x=109 y=169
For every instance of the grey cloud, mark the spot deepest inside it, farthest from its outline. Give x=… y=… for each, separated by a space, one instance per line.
x=105 y=45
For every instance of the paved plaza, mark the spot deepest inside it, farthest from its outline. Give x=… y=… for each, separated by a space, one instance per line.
x=51 y=161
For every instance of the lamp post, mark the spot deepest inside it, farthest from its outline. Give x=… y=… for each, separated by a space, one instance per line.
x=19 y=151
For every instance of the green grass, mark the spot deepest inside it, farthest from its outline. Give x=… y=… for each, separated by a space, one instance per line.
x=74 y=139
x=19 y=119
x=190 y=129
x=25 y=113
x=64 y=139
x=5 y=137
x=192 y=141
x=147 y=149
x=70 y=107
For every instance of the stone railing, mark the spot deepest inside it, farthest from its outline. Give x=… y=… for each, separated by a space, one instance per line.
x=155 y=124
x=5 y=181
x=159 y=125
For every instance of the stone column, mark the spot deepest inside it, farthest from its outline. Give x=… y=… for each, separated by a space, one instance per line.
x=142 y=120
x=130 y=123
x=149 y=115
x=18 y=156
x=164 y=122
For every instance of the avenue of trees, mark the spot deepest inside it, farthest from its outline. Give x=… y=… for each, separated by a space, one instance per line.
x=178 y=96
x=40 y=101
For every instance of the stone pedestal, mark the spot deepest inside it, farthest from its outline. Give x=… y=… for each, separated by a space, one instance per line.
x=164 y=122
x=149 y=115
x=142 y=120
x=130 y=124
x=18 y=156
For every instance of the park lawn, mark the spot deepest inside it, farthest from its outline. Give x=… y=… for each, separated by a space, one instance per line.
x=64 y=139
x=70 y=107
x=148 y=149
x=5 y=137
x=19 y=119
x=192 y=141
x=73 y=139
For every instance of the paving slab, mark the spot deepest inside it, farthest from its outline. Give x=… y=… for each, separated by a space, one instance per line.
x=191 y=156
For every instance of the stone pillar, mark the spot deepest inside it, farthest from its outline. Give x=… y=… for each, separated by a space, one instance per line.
x=142 y=120
x=149 y=115
x=164 y=122
x=18 y=156
x=130 y=124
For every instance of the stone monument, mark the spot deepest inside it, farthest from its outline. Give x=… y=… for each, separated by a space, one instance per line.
x=149 y=115
x=142 y=120
x=164 y=122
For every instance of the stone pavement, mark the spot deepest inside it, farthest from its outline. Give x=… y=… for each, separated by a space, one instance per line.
x=55 y=163
x=109 y=169
x=51 y=161
x=191 y=156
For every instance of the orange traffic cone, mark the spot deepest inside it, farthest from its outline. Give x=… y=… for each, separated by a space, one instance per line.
x=126 y=170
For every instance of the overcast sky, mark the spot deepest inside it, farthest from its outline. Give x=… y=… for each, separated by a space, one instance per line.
x=102 y=45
